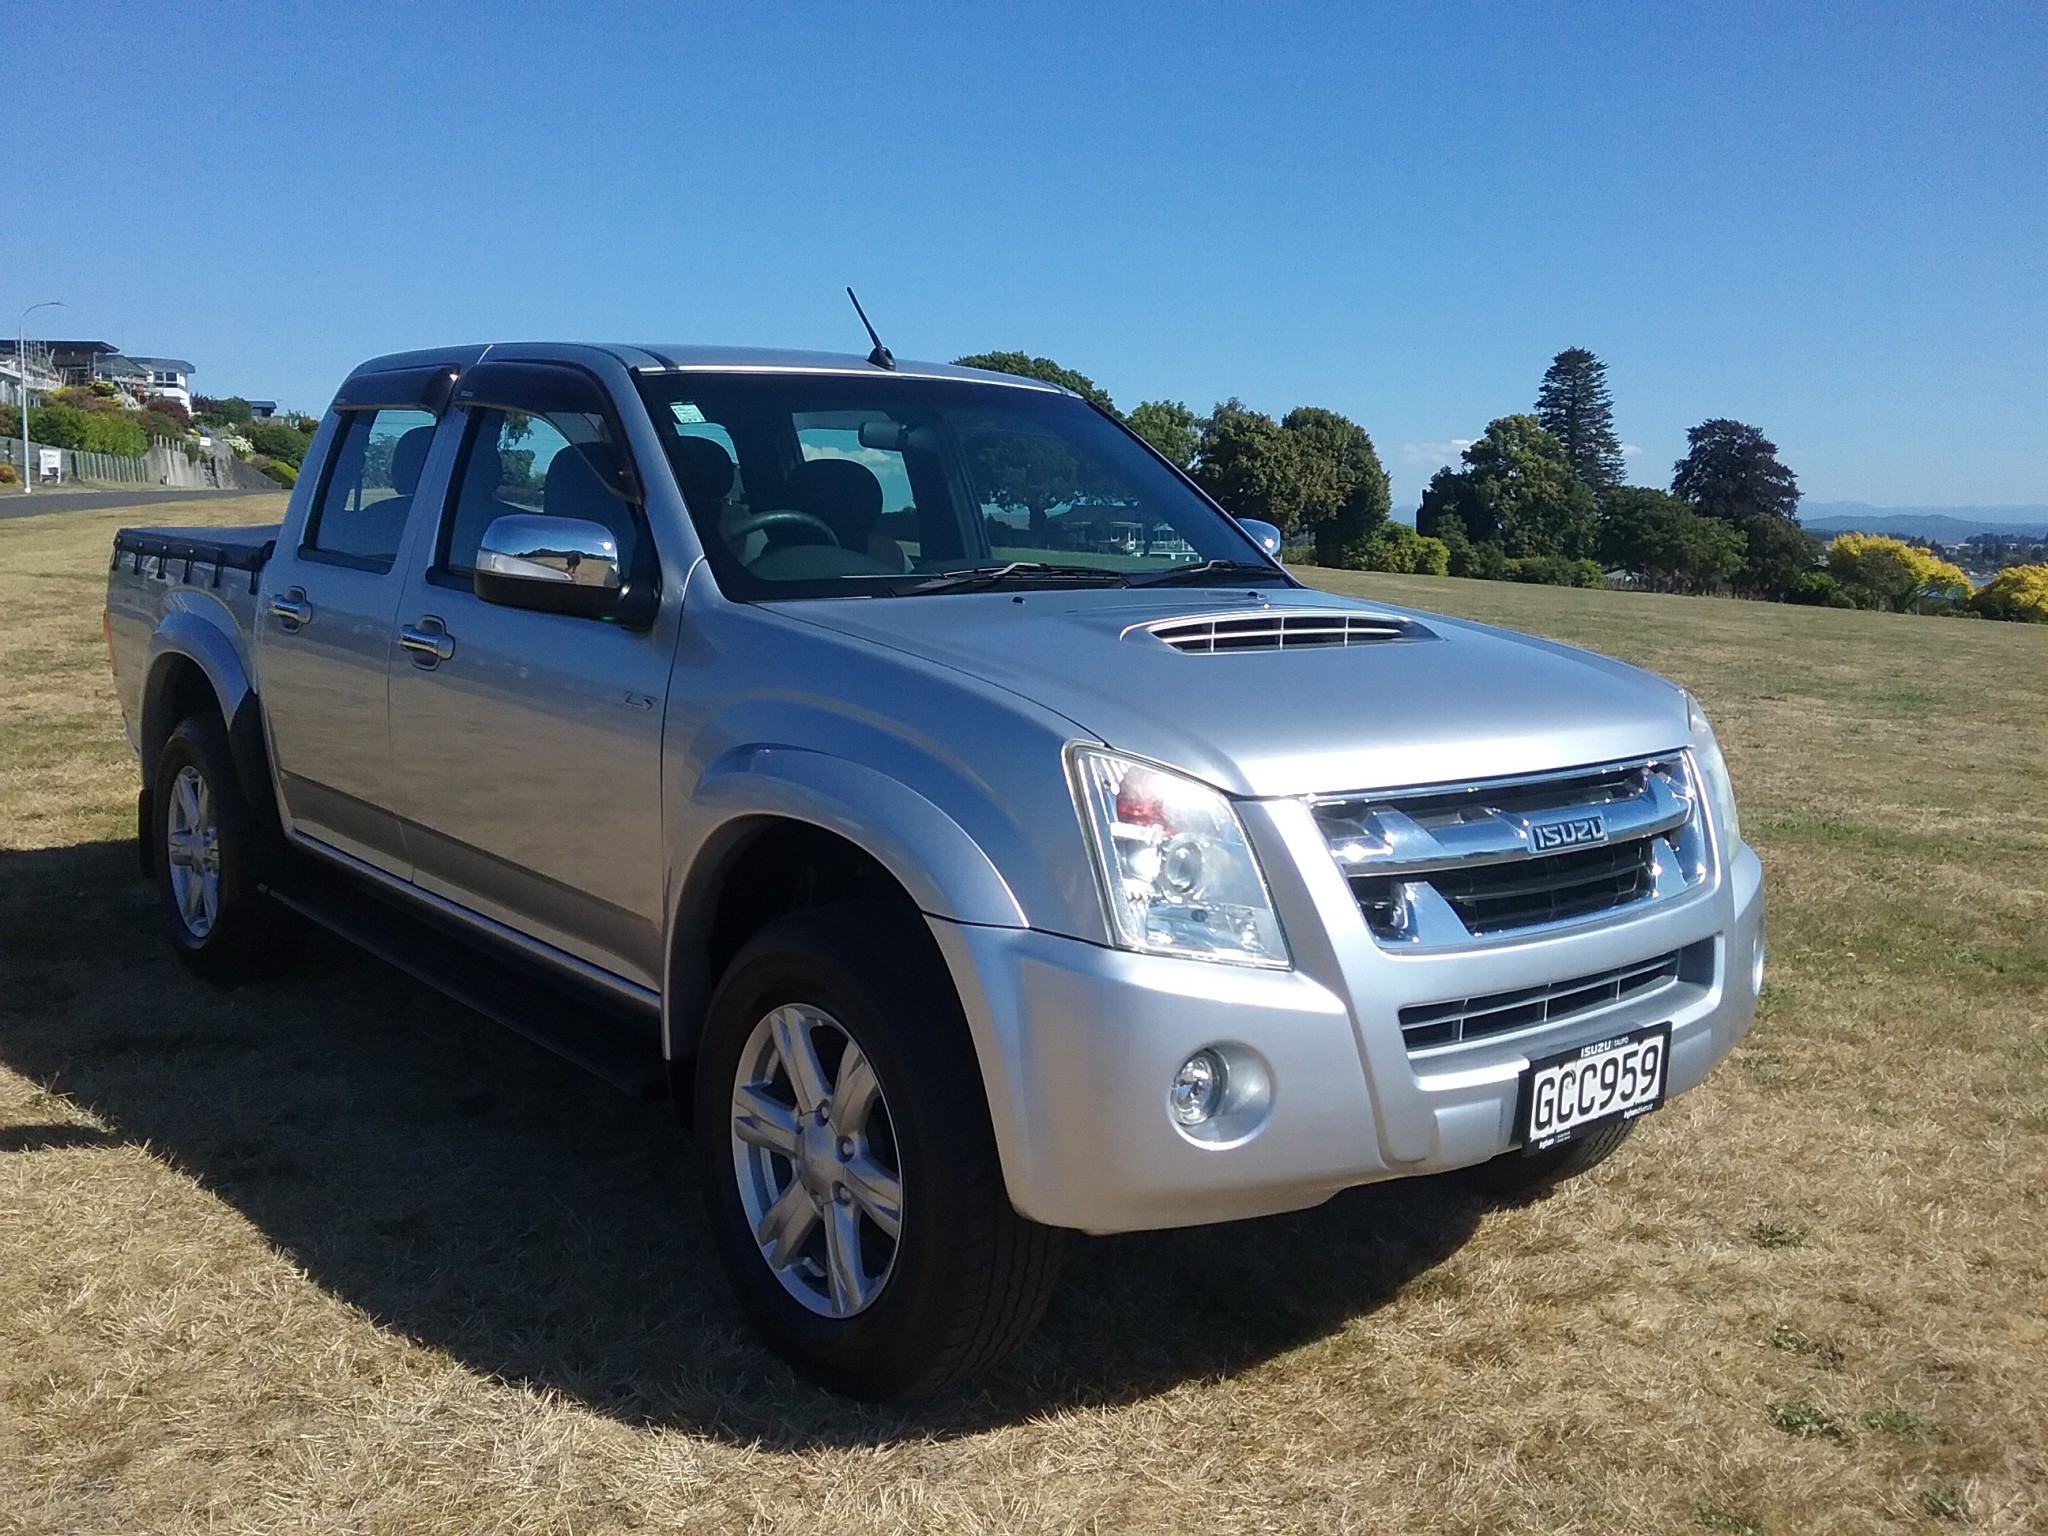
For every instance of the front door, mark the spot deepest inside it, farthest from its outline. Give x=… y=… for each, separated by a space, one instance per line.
x=325 y=633
x=528 y=745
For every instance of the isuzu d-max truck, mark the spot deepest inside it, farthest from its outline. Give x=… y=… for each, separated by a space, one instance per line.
x=969 y=821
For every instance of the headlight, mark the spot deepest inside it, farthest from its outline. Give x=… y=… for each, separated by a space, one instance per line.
x=1706 y=752
x=1177 y=875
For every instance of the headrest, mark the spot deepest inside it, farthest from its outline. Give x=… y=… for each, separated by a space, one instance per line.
x=840 y=493
x=408 y=458
x=704 y=471
x=575 y=486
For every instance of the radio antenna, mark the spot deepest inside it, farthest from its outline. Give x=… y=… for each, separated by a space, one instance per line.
x=881 y=357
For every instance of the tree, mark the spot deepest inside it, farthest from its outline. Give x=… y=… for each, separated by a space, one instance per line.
x=2018 y=593
x=1043 y=368
x=1315 y=472
x=1482 y=561
x=1888 y=573
x=164 y=405
x=1250 y=466
x=1732 y=471
x=1555 y=571
x=232 y=411
x=1665 y=544
x=1781 y=555
x=1170 y=427
x=1518 y=492
x=1400 y=549
x=1344 y=493
x=278 y=440
x=155 y=424
x=1452 y=510
x=1026 y=473
x=1575 y=408
x=88 y=431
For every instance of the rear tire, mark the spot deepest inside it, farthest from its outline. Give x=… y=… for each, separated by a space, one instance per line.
x=210 y=858
x=899 y=1266
x=1513 y=1174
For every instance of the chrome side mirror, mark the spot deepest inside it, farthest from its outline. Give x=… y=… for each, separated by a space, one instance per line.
x=1265 y=535
x=552 y=564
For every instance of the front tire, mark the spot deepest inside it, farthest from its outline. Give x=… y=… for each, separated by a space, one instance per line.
x=209 y=856
x=852 y=1180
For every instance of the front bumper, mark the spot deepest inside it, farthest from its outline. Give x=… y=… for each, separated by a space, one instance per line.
x=1078 y=1044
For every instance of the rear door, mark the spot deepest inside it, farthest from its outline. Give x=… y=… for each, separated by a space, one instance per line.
x=527 y=746
x=325 y=632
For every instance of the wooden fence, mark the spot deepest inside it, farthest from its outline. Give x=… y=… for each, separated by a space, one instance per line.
x=164 y=464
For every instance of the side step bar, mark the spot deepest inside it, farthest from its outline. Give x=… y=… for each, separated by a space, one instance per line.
x=502 y=988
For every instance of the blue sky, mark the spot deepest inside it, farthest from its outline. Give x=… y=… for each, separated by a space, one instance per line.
x=1829 y=221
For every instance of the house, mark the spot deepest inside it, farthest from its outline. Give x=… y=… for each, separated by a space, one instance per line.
x=263 y=410
x=169 y=377
x=78 y=362
x=42 y=376
x=85 y=362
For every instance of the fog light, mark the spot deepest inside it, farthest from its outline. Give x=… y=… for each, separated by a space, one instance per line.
x=1198 y=1087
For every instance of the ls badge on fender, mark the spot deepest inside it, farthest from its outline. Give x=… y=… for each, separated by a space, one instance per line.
x=1548 y=836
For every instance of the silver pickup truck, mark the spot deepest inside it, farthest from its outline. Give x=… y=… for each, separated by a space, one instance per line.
x=967 y=820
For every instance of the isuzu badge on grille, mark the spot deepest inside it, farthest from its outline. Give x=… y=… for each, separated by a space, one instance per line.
x=1546 y=836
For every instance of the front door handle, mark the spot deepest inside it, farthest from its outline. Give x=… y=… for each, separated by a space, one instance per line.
x=428 y=641
x=291 y=610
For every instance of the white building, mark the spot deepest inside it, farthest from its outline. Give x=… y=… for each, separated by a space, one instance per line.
x=167 y=376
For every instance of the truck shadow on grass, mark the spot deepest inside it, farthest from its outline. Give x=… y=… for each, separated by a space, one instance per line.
x=469 y=1192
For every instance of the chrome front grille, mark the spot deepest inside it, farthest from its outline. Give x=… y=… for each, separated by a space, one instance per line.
x=1497 y=898
x=1426 y=1025
x=1451 y=864
x=1275 y=630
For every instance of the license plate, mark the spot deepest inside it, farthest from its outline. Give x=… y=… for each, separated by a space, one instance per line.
x=1566 y=1095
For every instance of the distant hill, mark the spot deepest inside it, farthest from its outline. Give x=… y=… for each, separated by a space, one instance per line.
x=1945 y=524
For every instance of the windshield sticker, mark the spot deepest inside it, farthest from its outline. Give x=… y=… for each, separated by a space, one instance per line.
x=687 y=415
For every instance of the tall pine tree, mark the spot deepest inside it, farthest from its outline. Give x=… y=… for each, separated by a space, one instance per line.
x=1576 y=409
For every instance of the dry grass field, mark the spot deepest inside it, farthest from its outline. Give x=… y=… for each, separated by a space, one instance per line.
x=332 y=1255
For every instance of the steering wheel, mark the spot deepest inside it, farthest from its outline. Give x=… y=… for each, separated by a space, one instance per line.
x=761 y=521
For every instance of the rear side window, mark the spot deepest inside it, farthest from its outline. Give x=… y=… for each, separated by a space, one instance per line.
x=366 y=494
x=540 y=440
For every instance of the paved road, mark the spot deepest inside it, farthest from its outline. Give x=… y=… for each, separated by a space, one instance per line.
x=14 y=504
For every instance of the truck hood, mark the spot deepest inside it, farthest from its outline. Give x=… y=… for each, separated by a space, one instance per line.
x=1448 y=700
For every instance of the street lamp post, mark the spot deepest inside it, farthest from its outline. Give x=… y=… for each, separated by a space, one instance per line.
x=21 y=373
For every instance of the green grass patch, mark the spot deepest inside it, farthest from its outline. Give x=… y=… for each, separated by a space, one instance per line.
x=1803 y=1421
x=1901 y=1423
x=1773 y=1233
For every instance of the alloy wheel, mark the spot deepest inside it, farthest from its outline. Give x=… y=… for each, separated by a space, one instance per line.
x=192 y=850
x=814 y=1151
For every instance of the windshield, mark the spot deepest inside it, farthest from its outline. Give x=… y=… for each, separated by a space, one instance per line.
x=822 y=485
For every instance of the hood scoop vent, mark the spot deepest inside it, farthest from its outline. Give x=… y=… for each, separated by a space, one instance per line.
x=1275 y=629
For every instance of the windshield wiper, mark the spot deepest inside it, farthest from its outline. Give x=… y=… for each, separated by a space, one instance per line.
x=1181 y=574
x=1017 y=570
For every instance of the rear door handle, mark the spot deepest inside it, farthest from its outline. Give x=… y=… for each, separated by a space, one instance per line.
x=291 y=610
x=428 y=641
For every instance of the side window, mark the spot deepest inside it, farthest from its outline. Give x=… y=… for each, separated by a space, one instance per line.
x=366 y=493
x=534 y=455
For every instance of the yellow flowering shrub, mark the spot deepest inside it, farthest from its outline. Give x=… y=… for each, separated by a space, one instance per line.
x=1890 y=573
x=2017 y=592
